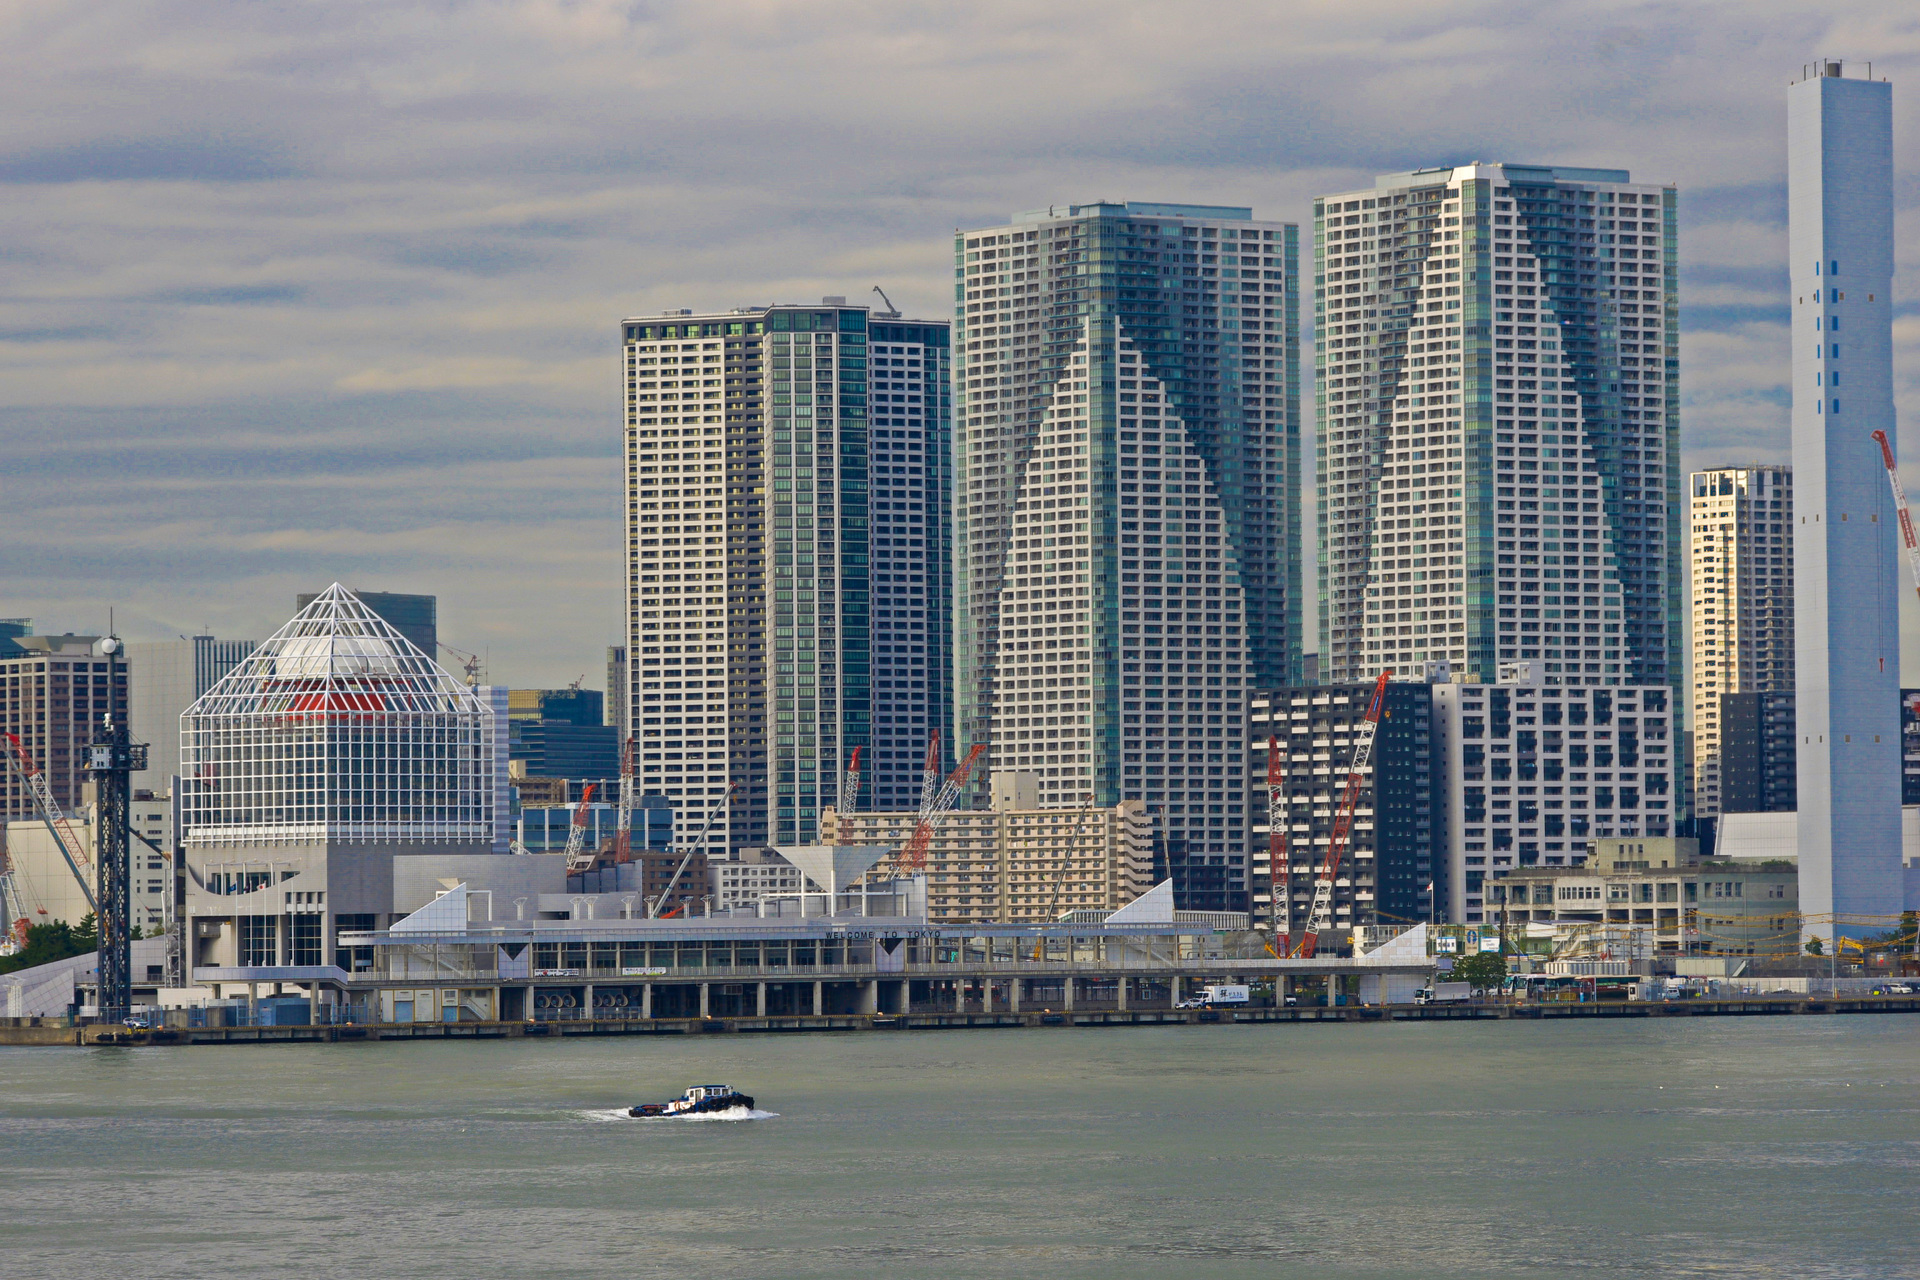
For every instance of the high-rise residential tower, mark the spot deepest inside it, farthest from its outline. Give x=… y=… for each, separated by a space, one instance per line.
x=1498 y=439
x=1740 y=526
x=1846 y=596
x=787 y=545
x=1129 y=563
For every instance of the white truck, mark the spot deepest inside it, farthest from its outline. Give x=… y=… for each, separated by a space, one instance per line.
x=1216 y=995
x=1444 y=993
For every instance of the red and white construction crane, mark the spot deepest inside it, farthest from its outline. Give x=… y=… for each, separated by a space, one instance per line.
x=1320 y=915
x=1900 y=505
x=850 y=785
x=23 y=766
x=914 y=857
x=623 y=825
x=1279 y=893
x=930 y=776
x=579 y=857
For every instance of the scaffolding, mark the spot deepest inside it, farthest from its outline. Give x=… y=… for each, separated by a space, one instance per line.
x=337 y=729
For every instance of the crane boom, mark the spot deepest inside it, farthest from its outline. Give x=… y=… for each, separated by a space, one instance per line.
x=69 y=844
x=915 y=855
x=1900 y=505
x=699 y=843
x=1060 y=879
x=1277 y=878
x=578 y=859
x=930 y=777
x=1320 y=915
x=850 y=784
x=623 y=825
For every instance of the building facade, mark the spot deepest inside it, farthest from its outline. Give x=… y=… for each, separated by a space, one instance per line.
x=57 y=689
x=173 y=674
x=45 y=889
x=1394 y=869
x=1498 y=442
x=1846 y=599
x=1019 y=862
x=785 y=536
x=617 y=705
x=752 y=874
x=334 y=747
x=1740 y=578
x=1648 y=905
x=1540 y=771
x=1129 y=550
x=1757 y=753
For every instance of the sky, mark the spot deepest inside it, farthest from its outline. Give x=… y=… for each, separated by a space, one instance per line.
x=292 y=294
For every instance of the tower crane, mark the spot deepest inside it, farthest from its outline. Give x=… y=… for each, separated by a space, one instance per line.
x=469 y=661
x=699 y=844
x=1900 y=505
x=914 y=857
x=578 y=859
x=1320 y=915
x=850 y=785
x=23 y=766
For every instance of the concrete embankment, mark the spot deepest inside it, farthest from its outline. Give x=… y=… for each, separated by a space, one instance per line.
x=48 y=1032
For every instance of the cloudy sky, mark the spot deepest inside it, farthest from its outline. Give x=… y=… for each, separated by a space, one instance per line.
x=294 y=293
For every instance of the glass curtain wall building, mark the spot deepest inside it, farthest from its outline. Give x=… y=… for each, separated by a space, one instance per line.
x=1498 y=424
x=1128 y=565
x=337 y=729
x=787 y=542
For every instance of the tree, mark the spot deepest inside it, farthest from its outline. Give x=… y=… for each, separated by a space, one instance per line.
x=1815 y=948
x=46 y=943
x=1484 y=969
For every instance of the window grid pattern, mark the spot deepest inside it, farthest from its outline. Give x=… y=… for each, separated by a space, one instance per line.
x=337 y=729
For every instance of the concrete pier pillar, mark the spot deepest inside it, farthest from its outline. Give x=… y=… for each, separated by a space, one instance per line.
x=646 y=1000
x=1013 y=994
x=819 y=999
x=760 y=1000
x=587 y=1010
x=870 y=996
x=704 y=1007
x=1173 y=989
x=986 y=995
x=1122 y=989
x=1067 y=987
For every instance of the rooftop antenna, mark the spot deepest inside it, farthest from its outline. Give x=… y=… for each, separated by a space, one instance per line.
x=892 y=312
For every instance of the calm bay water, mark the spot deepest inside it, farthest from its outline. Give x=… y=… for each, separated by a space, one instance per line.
x=1777 y=1147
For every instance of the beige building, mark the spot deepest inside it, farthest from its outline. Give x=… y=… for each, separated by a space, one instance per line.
x=749 y=875
x=53 y=692
x=1016 y=862
x=1654 y=895
x=45 y=886
x=1740 y=571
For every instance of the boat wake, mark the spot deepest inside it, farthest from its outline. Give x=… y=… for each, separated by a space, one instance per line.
x=731 y=1114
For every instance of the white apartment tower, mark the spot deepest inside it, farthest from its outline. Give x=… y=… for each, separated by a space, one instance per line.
x=1127 y=377
x=1740 y=531
x=1498 y=443
x=787 y=548
x=1846 y=599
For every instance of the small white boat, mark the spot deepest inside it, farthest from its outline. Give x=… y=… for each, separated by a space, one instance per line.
x=701 y=1099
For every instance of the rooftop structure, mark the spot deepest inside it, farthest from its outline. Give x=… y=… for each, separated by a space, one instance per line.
x=338 y=728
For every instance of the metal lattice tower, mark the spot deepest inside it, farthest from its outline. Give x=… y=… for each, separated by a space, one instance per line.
x=111 y=758
x=337 y=728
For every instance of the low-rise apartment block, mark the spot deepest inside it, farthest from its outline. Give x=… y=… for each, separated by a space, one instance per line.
x=1017 y=862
